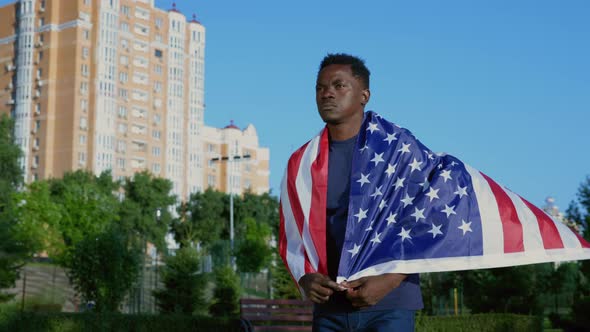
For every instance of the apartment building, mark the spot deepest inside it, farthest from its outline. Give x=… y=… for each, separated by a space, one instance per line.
x=107 y=85
x=235 y=160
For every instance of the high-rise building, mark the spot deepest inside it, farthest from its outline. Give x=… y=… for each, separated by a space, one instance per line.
x=106 y=84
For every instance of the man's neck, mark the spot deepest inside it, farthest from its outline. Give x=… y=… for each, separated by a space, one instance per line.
x=346 y=130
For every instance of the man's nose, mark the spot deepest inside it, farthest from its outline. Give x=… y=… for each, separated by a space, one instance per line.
x=326 y=93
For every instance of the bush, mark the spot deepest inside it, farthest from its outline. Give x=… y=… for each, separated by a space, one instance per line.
x=479 y=323
x=226 y=295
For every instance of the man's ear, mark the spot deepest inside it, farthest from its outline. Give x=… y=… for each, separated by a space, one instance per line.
x=365 y=96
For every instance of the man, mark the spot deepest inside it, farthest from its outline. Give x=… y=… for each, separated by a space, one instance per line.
x=385 y=302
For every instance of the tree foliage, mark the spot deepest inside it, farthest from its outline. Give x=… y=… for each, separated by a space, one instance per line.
x=283 y=284
x=184 y=285
x=202 y=218
x=253 y=252
x=144 y=196
x=226 y=294
x=104 y=269
x=15 y=249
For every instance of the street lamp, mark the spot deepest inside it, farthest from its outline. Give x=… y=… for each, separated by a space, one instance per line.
x=230 y=160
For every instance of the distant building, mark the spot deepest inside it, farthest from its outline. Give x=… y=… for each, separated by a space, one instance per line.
x=116 y=85
x=248 y=172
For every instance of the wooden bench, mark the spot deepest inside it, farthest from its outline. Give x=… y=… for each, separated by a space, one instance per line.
x=276 y=315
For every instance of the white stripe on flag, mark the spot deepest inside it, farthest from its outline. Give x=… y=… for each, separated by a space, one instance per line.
x=570 y=240
x=531 y=235
x=295 y=254
x=303 y=185
x=491 y=224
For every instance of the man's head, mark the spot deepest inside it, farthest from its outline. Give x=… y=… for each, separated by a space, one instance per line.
x=342 y=90
x=357 y=65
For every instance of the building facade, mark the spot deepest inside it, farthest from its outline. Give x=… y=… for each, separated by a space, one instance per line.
x=106 y=85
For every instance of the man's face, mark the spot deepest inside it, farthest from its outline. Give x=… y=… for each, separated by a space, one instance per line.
x=340 y=96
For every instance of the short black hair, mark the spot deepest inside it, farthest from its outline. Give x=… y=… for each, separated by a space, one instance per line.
x=357 y=65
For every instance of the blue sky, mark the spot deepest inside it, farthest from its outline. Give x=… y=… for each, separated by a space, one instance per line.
x=503 y=85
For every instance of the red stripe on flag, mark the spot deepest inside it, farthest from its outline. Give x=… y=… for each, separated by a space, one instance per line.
x=317 y=215
x=549 y=232
x=583 y=242
x=292 y=171
x=511 y=226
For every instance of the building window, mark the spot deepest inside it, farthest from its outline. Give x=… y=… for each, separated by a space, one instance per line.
x=158 y=69
x=156 y=134
x=158 y=87
x=124 y=27
x=83 y=123
x=37 y=109
x=84 y=88
x=157 y=119
x=124 y=60
x=156 y=151
x=123 y=93
x=40 y=56
x=158 y=53
x=211 y=182
x=125 y=44
x=82 y=139
x=123 y=77
x=156 y=168
x=122 y=128
x=37 y=125
x=123 y=112
x=121 y=163
x=86 y=34
x=41 y=21
x=125 y=10
x=84 y=69
x=36 y=143
x=85 y=52
x=82 y=158
x=158 y=22
x=84 y=105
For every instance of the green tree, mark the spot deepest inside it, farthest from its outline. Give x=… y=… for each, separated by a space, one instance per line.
x=13 y=253
x=521 y=288
x=105 y=269
x=144 y=196
x=253 y=252
x=263 y=208
x=184 y=284
x=202 y=218
x=87 y=207
x=282 y=281
x=579 y=213
x=226 y=294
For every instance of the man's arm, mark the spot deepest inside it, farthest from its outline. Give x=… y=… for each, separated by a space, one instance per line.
x=318 y=287
x=367 y=291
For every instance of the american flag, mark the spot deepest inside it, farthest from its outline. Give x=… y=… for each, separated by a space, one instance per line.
x=412 y=211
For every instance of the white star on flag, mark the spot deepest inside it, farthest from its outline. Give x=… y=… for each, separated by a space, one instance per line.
x=362 y=214
x=418 y=214
x=433 y=193
x=399 y=183
x=390 y=138
x=377 y=192
x=405 y=234
x=364 y=148
x=415 y=165
x=354 y=250
x=446 y=174
x=372 y=127
x=405 y=148
x=461 y=191
x=391 y=218
x=407 y=200
x=376 y=239
x=448 y=210
x=364 y=179
x=465 y=227
x=378 y=158
x=382 y=205
x=435 y=230
x=390 y=169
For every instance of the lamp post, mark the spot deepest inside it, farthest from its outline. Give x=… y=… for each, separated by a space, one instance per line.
x=158 y=215
x=230 y=160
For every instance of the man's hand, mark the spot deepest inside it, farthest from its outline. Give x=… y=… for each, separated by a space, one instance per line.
x=367 y=291
x=318 y=287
